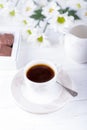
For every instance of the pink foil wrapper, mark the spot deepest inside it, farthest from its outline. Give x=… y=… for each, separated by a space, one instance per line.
x=5 y=50
x=7 y=39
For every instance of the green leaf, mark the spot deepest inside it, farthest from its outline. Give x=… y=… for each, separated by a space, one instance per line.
x=40 y=39
x=1 y=6
x=61 y=20
x=29 y=32
x=70 y=12
x=38 y=15
x=12 y=13
x=73 y=13
x=62 y=11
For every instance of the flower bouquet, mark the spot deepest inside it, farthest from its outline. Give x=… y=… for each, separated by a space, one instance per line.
x=42 y=23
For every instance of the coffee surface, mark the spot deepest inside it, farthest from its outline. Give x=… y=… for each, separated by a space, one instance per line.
x=40 y=73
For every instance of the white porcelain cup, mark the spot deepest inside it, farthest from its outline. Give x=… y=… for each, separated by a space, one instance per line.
x=40 y=92
x=75 y=43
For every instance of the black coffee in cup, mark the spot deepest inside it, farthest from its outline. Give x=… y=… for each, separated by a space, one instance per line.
x=40 y=73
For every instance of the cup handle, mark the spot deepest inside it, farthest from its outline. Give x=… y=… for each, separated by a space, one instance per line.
x=59 y=67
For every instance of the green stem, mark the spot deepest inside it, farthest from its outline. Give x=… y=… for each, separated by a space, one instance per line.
x=35 y=2
x=59 y=5
x=38 y=24
x=48 y=0
x=17 y=3
x=45 y=27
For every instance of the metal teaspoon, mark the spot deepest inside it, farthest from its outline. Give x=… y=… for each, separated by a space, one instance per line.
x=72 y=92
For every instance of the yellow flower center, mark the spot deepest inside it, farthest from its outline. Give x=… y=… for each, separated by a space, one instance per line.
x=85 y=13
x=29 y=31
x=40 y=39
x=12 y=13
x=78 y=5
x=25 y=21
x=51 y=10
x=28 y=9
x=1 y=6
x=61 y=20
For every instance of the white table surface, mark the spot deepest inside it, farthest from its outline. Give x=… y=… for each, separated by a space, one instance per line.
x=71 y=117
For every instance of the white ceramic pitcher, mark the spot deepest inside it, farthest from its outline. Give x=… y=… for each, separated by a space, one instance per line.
x=75 y=43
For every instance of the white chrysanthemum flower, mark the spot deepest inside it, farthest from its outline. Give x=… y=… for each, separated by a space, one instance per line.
x=40 y=40
x=50 y=10
x=27 y=22
x=12 y=16
x=83 y=14
x=3 y=6
x=61 y=21
x=28 y=33
x=27 y=8
x=77 y=4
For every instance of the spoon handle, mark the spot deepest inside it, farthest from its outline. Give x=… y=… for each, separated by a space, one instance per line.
x=72 y=92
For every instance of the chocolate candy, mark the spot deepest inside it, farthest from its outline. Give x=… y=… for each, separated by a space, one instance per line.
x=6 y=43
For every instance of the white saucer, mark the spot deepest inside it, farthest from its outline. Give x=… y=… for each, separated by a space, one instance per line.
x=29 y=105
